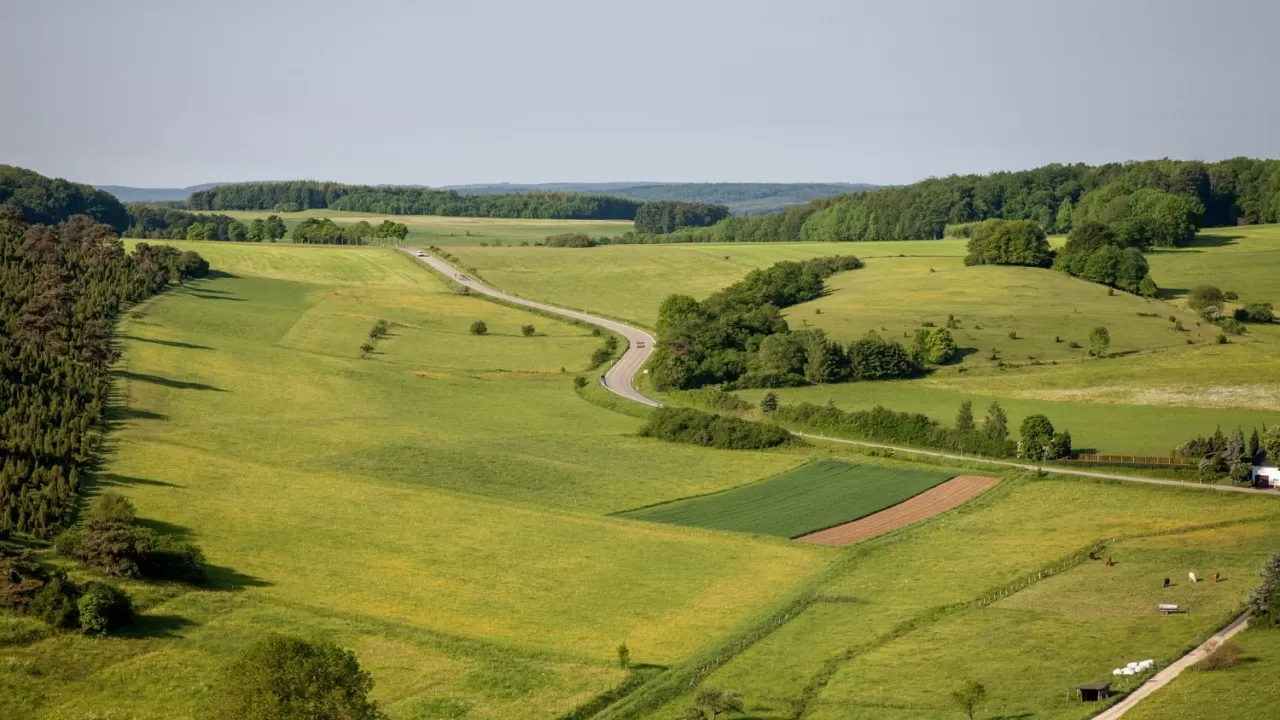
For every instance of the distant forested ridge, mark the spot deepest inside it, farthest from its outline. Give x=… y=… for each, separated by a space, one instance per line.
x=667 y=216
x=61 y=288
x=741 y=198
x=305 y=194
x=177 y=196
x=48 y=200
x=1150 y=197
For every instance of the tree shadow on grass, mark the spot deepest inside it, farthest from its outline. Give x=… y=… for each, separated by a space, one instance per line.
x=224 y=579
x=114 y=480
x=156 y=626
x=164 y=381
x=204 y=295
x=166 y=528
x=218 y=275
x=120 y=414
x=166 y=343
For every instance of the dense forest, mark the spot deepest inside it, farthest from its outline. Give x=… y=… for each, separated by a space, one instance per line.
x=47 y=200
x=667 y=216
x=61 y=288
x=323 y=231
x=304 y=194
x=1164 y=200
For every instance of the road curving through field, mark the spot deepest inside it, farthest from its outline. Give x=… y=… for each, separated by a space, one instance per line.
x=620 y=380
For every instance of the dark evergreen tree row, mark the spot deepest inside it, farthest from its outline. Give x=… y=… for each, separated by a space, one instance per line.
x=667 y=216
x=48 y=201
x=61 y=288
x=303 y=195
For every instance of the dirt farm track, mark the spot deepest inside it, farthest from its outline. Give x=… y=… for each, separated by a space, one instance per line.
x=956 y=491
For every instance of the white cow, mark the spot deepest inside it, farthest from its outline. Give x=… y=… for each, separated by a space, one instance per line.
x=1193 y=577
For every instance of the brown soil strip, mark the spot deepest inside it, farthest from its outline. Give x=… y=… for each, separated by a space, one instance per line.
x=956 y=491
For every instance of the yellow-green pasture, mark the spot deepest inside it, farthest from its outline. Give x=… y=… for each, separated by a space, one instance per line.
x=465 y=231
x=439 y=507
x=991 y=593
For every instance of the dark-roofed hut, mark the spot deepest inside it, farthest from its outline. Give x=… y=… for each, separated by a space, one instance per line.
x=1094 y=693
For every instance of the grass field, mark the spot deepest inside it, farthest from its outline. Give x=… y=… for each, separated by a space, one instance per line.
x=630 y=281
x=910 y=616
x=819 y=495
x=1239 y=258
x=446 y=507
x=1248 y=691
x=463 y=231
x=439 y=507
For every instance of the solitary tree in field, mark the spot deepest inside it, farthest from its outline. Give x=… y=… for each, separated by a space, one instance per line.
x=769 y=403
x=366 y=349
x=964 y=418
x=624 y=657
x=579 y=382
x=1099 y=341
x=479 y=328
x=969 y=697
x=997 y=425
x=711 y=703
x=285 y=678
x=527 y=330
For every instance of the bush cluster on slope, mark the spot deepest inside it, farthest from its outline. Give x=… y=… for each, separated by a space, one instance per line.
x=709 y=430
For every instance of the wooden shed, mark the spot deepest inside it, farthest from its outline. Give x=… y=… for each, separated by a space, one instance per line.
x=1094 y=693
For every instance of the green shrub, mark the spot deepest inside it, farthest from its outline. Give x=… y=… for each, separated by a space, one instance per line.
x=285 y=678
x=699 y=428
x=111 y=507
x=1223 y=657
x=56 y=603
x=1256 y=312
x=579 y=382
x=1231 y=326
x=527 y=330
x=124 y=550
x=479 y=327
x=1203 y=296
x=103 y=609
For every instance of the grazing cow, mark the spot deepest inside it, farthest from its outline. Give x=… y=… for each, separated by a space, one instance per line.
x=1217 y=576
x=1167 y=582
x=1109 y=562
x=1193 y=577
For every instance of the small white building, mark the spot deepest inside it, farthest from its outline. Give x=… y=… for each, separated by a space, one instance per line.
x=1265 y=476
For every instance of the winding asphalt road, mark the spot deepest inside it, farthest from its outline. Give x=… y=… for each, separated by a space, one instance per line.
x=618 y=379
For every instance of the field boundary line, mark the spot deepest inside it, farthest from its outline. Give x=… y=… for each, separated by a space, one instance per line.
x=1037 y=468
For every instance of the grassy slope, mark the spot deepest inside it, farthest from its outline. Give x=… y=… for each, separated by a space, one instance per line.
x=820 y=495
x=465 y=231
x=897 y=632
x=375 y=501
x=630 y=281
x=1241 y=259
x=1248 y=691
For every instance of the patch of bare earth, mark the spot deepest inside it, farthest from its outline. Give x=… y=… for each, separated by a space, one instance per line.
x=956 y=491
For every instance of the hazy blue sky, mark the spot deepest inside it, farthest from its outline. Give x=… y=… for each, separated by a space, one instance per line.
x=172 y=92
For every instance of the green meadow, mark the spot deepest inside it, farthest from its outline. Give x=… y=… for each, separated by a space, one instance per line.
x=452 y=510
x=1002 y=591
x=441 y=507
x=819 y=495
x=465 y=231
